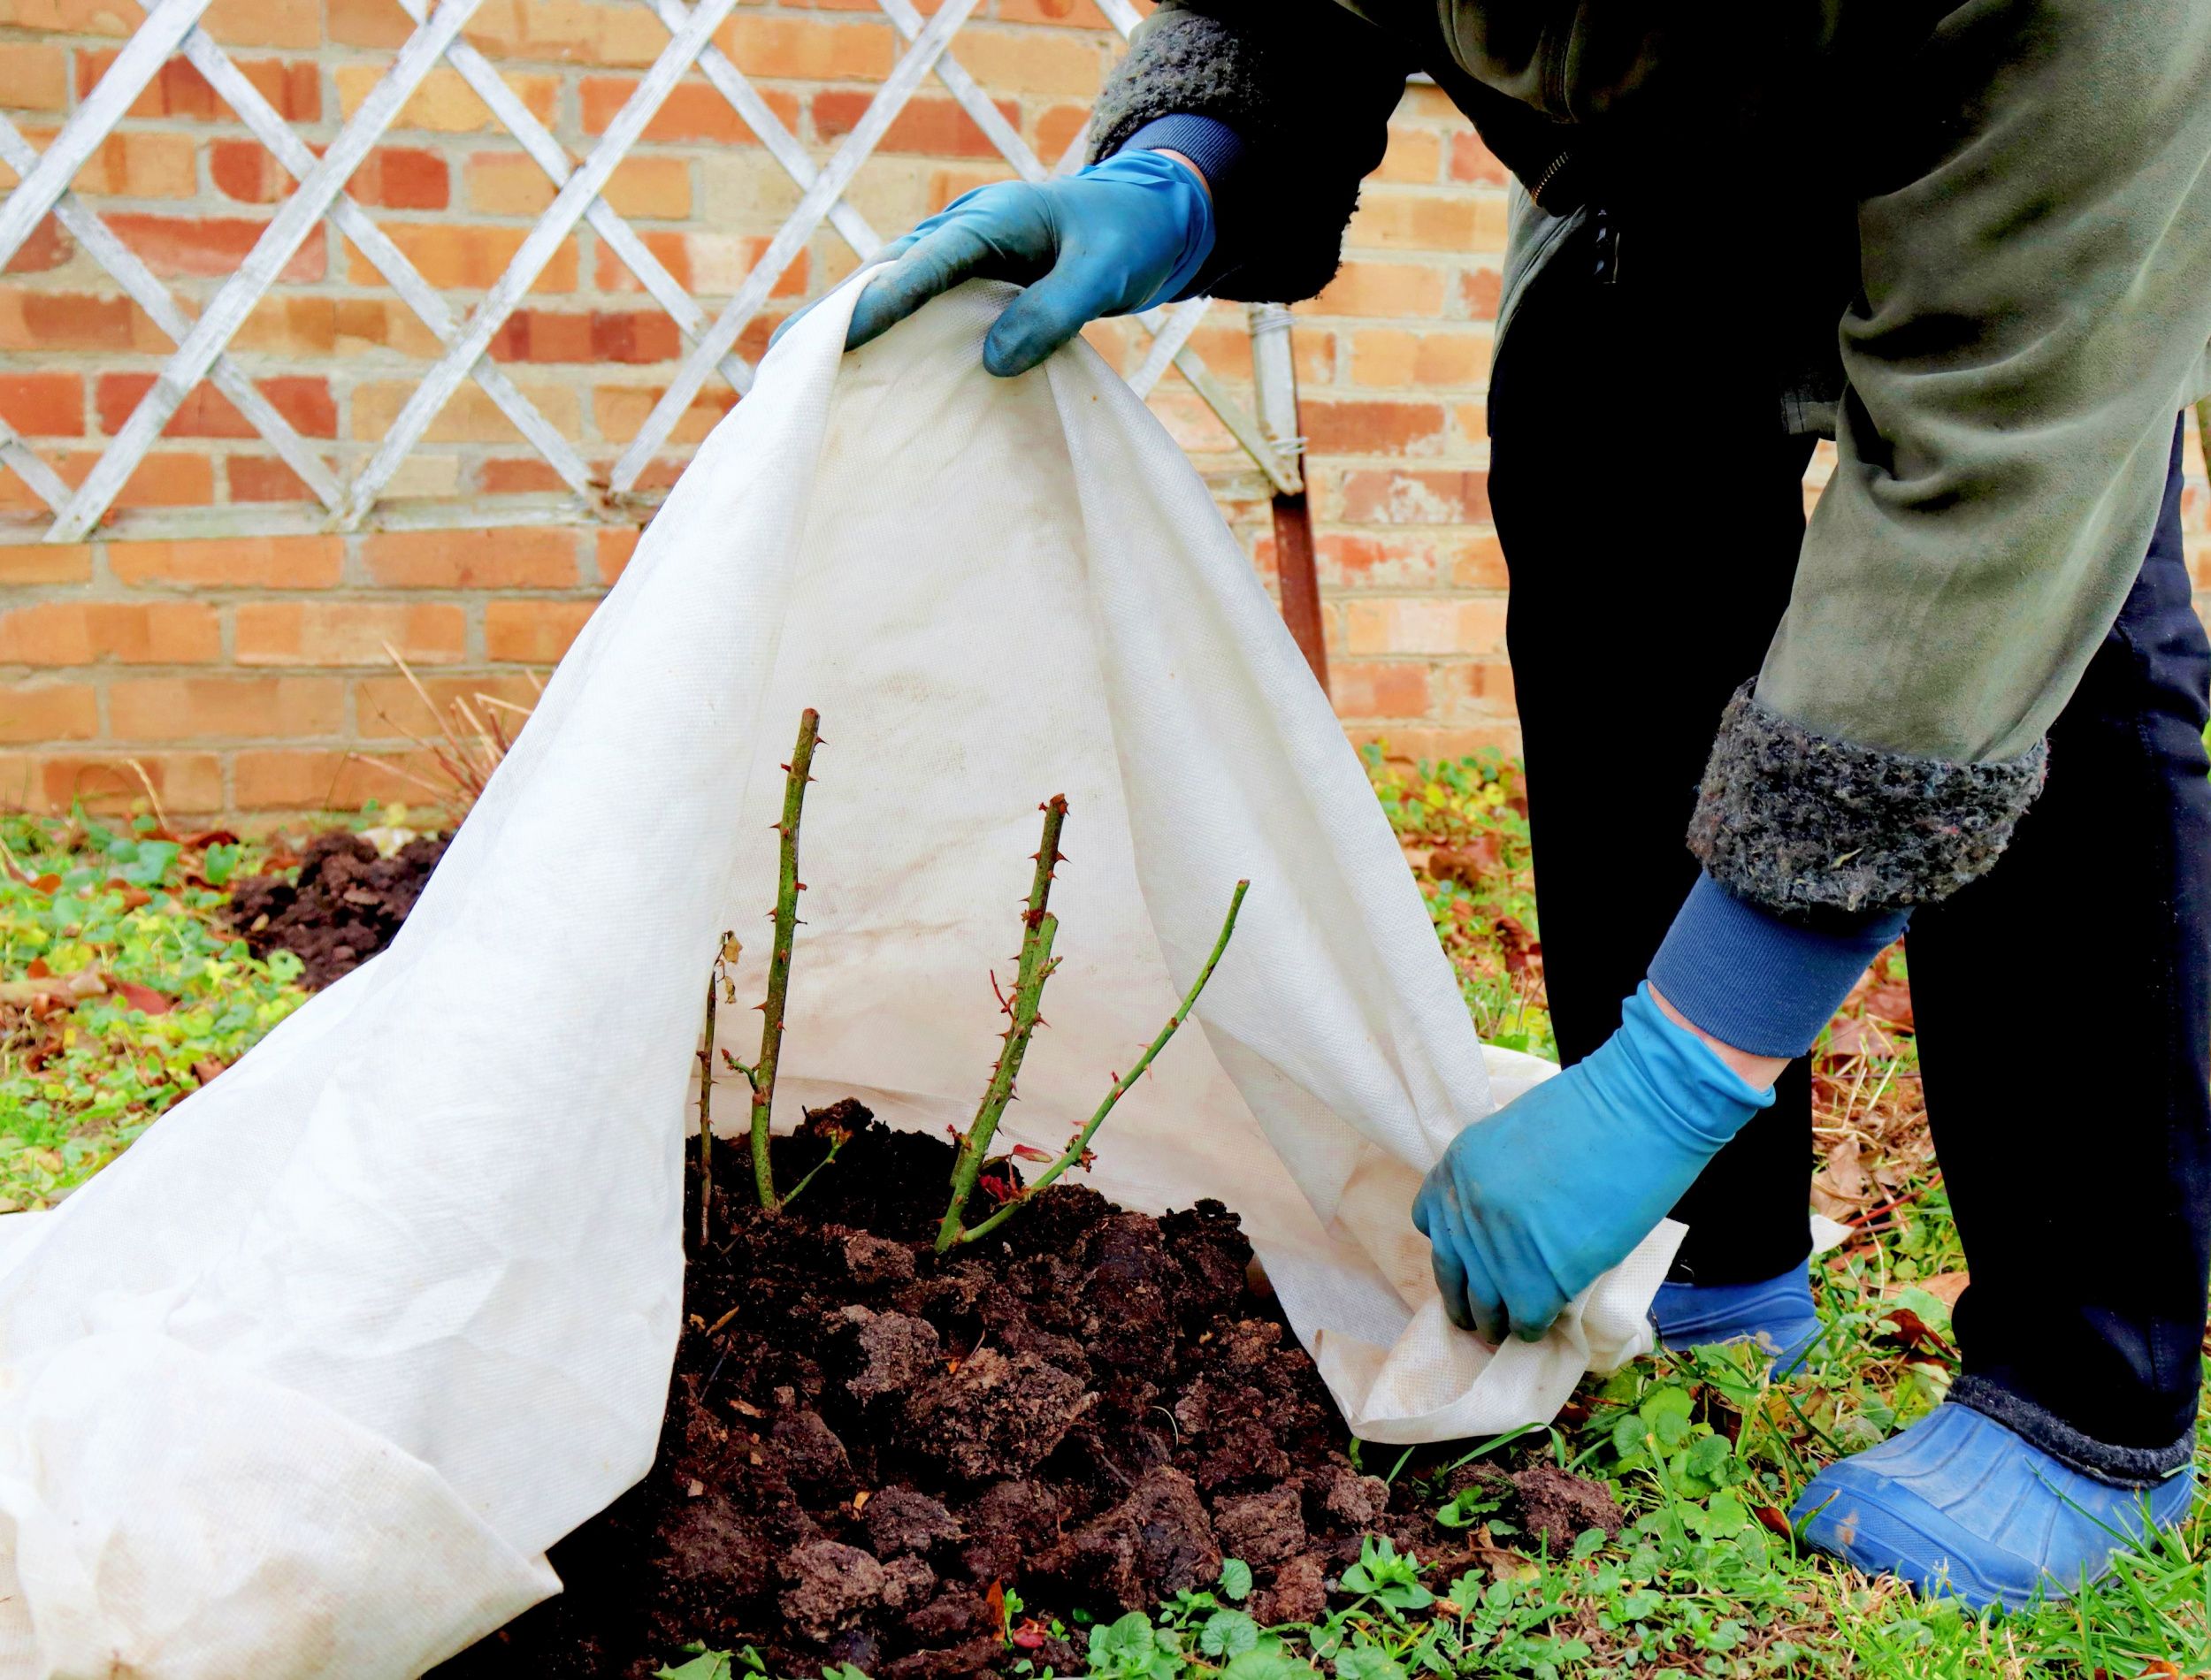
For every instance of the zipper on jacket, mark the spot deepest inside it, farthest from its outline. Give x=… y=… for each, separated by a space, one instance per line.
x=1605 y=248
x=1551 y=174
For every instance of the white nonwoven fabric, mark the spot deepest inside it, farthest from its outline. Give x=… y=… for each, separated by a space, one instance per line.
x=305 y=1384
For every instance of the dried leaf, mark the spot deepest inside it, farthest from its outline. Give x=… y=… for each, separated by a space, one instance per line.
x=1838 y=1189
x=1891 y=1003
x=66 y=989
x=1773 y=1517
x=145 y=998
x=1904 y=1325
x=1468 y=865
x=1503 y=1562
x=1944 y=1286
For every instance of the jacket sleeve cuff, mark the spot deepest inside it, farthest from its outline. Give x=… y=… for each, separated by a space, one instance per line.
x=1217 y=150
x=1306 y=91
x=1792 y=820
x=1764 y=983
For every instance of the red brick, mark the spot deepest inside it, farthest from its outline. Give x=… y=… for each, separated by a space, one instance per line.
x=302 y=399
x=47 y=248
x=1080 y=14
x=520 y=557
x=1388 y=690
x=367 y=23
x=75 y=321
x=627 y=336
x=211 y=246
x=616 y=548
x=264 y=478
x=265 y=23
x=393 y=177
x=387 y=708
x=458 y=257
x=1381 y=289
x=48 y=712
x=1479 y=563
x=1472 y=161
x=293 y=86
x=1382 y=497
x=1423 y=625
x=1480 y=290
x=198 y=708
x=1342 y=560
x=711 y=263
x=532 y=632
x=1340 y=428
x=55 y=633
x=692 y=111
x=185 y=782
x=518 y=475
x=312 y=779
x=34 y=77
x=1480 y=688
x=22 y=563
x=348 y=633
x=168 y=478
x=932 y=127
x=43 y=405
x=807 y=49
x=230 y=563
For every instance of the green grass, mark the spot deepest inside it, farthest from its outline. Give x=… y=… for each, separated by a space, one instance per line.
x=1701 y=1451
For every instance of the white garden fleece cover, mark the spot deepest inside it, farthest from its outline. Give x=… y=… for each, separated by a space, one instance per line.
x=307 y=1381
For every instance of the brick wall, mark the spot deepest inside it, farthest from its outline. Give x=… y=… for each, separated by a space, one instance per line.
x=248 y=674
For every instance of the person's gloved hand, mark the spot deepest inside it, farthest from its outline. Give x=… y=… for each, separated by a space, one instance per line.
x=1121 y=235
x=1528 y=1206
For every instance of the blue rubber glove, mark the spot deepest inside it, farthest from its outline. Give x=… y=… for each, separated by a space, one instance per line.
x=1119 y=237
x=1528 y=1206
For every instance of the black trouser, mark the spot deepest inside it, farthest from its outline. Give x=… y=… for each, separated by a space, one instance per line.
x=1651 y=510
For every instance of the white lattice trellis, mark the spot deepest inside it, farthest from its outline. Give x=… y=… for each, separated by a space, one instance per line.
x=172 y=27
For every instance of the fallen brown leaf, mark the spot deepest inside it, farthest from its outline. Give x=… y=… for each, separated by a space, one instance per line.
x=71 y=988
x=1944 y=1286
x=1838 y=1189
x=145 y=998
x=1503 y=1562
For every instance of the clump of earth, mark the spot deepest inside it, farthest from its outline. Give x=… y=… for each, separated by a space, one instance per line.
x=348 y=903
x=867 y=1445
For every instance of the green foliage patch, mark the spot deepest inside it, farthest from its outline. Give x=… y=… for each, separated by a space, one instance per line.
x=122 y=989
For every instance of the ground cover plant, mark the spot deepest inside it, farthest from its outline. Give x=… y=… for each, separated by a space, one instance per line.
x=124 y=987
x=1701 y=1455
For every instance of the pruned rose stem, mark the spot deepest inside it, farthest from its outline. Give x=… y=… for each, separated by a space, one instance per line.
x=761 y=1075
x=1033 y=969
x=724 y=953
x=1079 y=1148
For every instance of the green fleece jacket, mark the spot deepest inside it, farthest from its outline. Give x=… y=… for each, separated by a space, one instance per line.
x=2030 y=186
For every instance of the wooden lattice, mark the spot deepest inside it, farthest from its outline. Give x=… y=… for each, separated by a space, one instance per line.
x=710 y=336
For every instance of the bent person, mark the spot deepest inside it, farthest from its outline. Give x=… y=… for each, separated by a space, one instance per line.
x=1974 y=246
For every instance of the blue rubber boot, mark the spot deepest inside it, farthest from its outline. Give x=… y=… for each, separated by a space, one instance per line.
x=1960 y=1504
x=1777 y=1314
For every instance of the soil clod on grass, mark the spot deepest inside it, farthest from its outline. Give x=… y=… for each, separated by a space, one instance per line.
x=865 y=1437
x=347 y=906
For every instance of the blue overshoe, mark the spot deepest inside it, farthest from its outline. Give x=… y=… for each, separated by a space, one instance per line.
x=1960 y=1504
x=1777 y=1314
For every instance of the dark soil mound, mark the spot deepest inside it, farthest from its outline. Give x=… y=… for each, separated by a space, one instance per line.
x=864 y=1440
x=347 y=906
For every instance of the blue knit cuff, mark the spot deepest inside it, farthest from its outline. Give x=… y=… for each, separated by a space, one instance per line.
x=1760 y=983
x=1217 y=150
